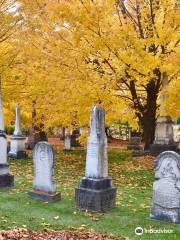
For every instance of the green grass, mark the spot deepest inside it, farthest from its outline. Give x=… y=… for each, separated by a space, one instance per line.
x=132 y=177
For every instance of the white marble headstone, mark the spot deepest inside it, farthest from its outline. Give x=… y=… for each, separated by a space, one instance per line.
x=17 y=130
x=67 y=142
x=96 y=159
x=44 y=158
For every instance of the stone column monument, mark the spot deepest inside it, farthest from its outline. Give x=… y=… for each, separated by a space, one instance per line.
x=95 y=192
x=17 y=148
x=6 y=180
x=164 y=130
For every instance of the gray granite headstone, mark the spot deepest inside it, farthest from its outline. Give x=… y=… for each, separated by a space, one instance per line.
x=44 y=187
x=166 y=188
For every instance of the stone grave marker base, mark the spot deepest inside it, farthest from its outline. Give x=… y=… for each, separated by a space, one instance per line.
x=160 y=213
x=44 y=196
x=6 y=180
x=156 y=149
x=18 y=155
x=17 y=148
x=95 y=195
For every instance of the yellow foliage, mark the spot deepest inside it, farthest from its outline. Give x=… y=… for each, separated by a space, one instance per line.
x=74 y=54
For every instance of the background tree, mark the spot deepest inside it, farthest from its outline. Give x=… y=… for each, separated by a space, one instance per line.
x=116 y=52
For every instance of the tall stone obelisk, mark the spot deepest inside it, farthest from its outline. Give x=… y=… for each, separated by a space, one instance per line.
x=17 y=148
x=6 y=180
x=164 y=125
x=95 y=192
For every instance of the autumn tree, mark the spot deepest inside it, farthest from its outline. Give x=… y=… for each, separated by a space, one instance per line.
x=116 y=52
x=10 y=24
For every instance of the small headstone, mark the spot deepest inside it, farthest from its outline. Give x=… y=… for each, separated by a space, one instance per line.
x=6 y=180
x=44 y=187
x=95 y=192
x=17 y=146
x=166 y=188
x=67 y=143
x=74 y=138
x=134 y=143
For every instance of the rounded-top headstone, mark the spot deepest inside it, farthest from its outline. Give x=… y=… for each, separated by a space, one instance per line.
x=167 y=165
x=44 y=159
x=166 y=188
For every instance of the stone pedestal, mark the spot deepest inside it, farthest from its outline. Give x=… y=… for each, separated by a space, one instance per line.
x=163 y=136
x=95 y=195
x=17 y=149
x=6 y=180
x=44 y=196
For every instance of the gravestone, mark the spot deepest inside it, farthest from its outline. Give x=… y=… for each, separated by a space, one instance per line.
x=6 y=180
x=166 y=188
x=134 y=143
x=44 y=187
x=17 y=146
x=67 y=143
x=95 y=192
x=74 y=138
x=164 y=137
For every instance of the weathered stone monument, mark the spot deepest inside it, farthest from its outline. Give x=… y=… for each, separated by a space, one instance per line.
x=134 y=143
x=95 y=192
x=166 y=188
x=44 y=187
x=6 y=180
x=164 y=138
x=67 y=143
x=17 y=147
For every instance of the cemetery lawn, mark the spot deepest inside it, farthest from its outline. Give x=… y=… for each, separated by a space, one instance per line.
x=132 y=176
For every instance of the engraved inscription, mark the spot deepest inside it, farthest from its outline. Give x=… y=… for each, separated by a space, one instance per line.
x=43 y=157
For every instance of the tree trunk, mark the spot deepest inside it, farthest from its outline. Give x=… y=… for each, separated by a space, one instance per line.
x=149 y=115
x=146 y=113
x=149 y=125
